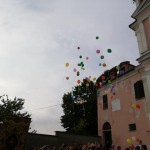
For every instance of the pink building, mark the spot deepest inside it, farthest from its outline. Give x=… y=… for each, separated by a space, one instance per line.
x=124 y=91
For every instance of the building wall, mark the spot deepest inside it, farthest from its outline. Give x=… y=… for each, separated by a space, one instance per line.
x=119 y=120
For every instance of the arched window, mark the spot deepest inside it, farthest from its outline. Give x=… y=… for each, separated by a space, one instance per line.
x=106 y=126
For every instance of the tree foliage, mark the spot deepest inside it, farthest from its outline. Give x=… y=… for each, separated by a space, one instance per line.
x=80 y=109
x=12 y=107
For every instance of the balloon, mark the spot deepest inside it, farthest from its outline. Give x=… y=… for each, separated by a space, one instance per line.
x=133 y=106
x=103 y=77
x=102 y=57
x=97 y=37
x=75 y=70
x=133 y=138
x=78 y=47
x=101 y=86
x=78 y=81
x=138 y=106
x=118 y=67
x=67 y=78
x=87 y=58
x=109 y=50
x=104 y=65
x=80 y=56
x=109 y=81
x=97 y=51
x=137 y=139
x=94 y=78
x=87 y=84
x=129 y=141
x=121 y=72
x=67 y=64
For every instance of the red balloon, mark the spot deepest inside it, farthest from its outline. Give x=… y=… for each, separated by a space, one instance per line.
x=138 y=106
x=103 y=77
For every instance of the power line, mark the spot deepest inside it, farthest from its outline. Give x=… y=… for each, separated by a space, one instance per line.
x=45 y=107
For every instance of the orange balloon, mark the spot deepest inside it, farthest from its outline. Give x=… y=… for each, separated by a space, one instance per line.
x=67 y=78
x=104 y=65
x=78 y=81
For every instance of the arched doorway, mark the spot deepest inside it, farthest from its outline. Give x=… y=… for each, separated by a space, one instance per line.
x=107 y=138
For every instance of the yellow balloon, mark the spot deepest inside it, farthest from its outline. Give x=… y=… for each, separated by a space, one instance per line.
x=94 y=78
x=87 y=84
x=129 y=141
x=67 y=64
x=133 y=106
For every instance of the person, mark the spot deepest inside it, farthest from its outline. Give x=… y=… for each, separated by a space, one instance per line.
x=112 y=147
x=45 y=147
x=118 y=147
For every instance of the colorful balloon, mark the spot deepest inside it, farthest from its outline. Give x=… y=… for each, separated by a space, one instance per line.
x=87 y=58
x=133 y=106
x=78 y=81
x=103 y=77
x=67 y=64
x=102 y=57
x=80 y=56
x=97 y=37
x=109 y=50
x=94 y=79
x=75 y=70
x=67 y=78
x=98 y=51
x=138 y=106
x=104 y=65
x=129 y=141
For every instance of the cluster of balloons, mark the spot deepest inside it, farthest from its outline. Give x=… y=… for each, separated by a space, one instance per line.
x=81 y=65
x=133 y=139
x=135 y=106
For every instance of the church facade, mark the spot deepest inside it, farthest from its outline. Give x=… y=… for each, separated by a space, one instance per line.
x=124 y=91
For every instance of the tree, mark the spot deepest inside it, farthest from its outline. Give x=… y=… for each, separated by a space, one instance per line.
x=12 y=107
x=80 y=109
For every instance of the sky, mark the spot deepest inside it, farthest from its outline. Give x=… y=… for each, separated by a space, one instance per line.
x=38 y=38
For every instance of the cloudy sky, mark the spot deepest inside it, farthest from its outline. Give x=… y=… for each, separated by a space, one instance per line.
x=37 y=39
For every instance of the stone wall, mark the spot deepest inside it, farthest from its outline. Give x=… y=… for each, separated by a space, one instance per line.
x=39 y=140
x=13 y=132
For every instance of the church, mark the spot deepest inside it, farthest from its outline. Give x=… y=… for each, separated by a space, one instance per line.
x=123 y=95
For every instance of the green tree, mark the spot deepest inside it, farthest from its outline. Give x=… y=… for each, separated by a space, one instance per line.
x=12 y=107
x=80 y=109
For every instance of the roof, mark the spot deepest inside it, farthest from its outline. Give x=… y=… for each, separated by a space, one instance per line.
x=142 y=5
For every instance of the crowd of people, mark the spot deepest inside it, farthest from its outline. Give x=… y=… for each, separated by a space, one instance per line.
x=88 y=146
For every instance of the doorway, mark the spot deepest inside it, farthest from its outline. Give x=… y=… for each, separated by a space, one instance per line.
x=107 y=137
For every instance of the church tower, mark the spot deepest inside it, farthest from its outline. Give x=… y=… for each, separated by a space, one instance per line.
x=141 y=26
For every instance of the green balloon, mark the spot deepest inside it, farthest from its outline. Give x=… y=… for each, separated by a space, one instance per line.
x=102 y=57
x=109 y=50
x=97 y=37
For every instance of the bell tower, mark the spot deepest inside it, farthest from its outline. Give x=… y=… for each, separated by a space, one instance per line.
x=141 y=26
